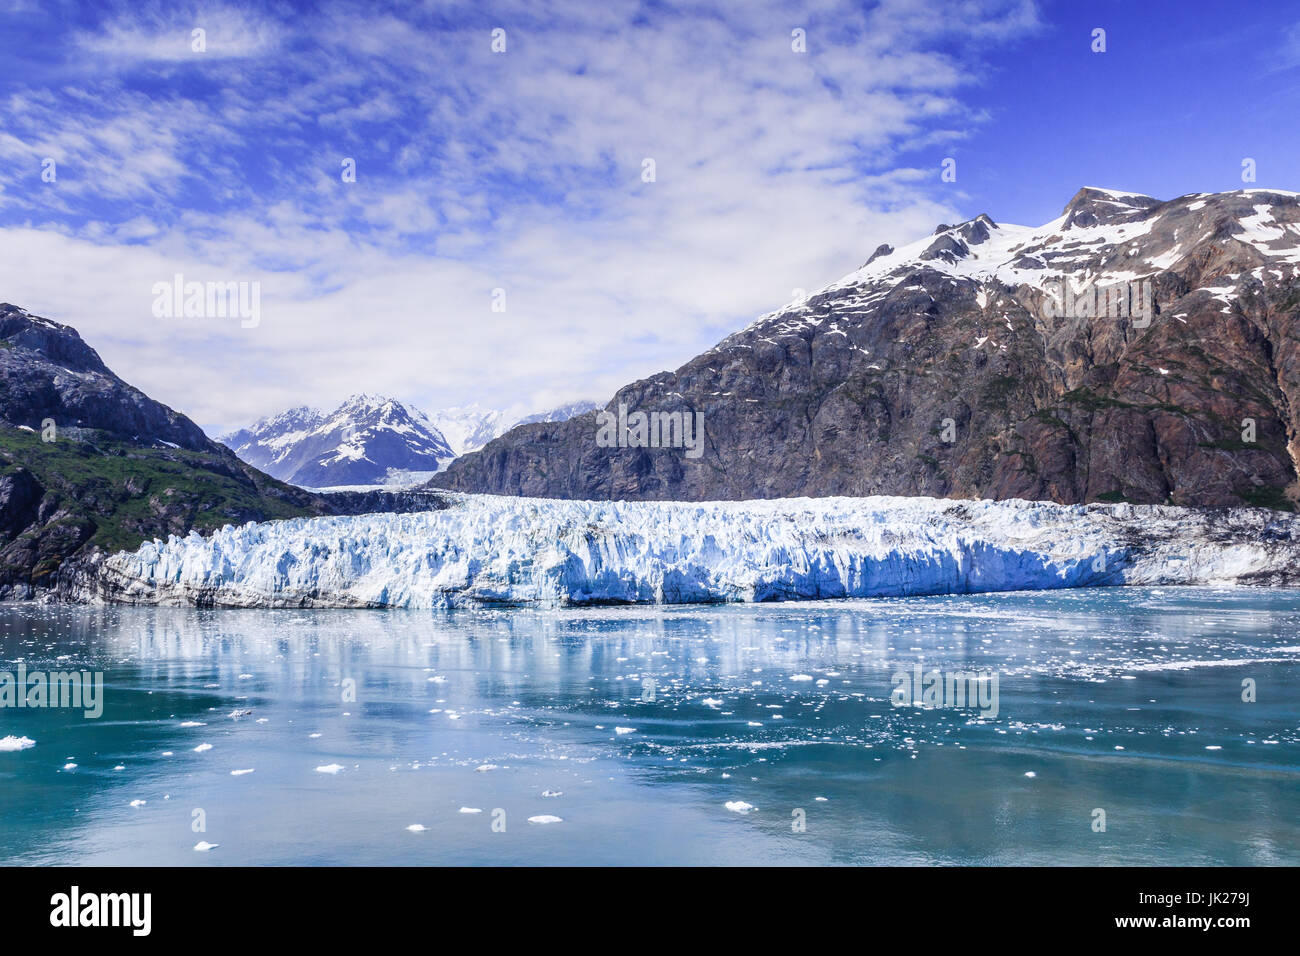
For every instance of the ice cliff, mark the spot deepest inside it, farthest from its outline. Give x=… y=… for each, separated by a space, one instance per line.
x=499 y=550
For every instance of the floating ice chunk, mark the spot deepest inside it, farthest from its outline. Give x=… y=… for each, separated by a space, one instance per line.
x=417 y=828
x=69 y=766
x=471 y=810
x=193 y=723
x=545 y=818
x=801 y=677
x=203 y=846
x=552 y=793
x=739 y=806
x=330 y=768
x=1030 y=774
x=202 y=748
x=11 y=744
x=485 y=767
x=240 y=773
x=624 y=730
x=138 y=803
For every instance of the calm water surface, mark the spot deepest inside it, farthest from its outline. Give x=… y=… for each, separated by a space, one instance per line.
x=637 y=727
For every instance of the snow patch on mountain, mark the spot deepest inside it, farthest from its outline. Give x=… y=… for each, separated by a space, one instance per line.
x=486 y=549
x=1130 y=235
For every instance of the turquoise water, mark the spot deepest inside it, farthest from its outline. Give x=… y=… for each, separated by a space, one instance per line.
x=773 y=706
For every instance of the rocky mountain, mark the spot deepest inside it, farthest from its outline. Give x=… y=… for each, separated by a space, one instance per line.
x=359 y=443
x=90 y=464
x=1131 y=349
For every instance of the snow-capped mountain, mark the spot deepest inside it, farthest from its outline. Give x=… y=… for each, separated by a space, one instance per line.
x=272 y=443
x=1130 y=349
x=362 y=442
x=561 y=413
x=490 y=549
x=469 y=427
x=371 y=440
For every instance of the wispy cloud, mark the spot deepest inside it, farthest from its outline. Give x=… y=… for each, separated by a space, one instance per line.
x=475 y=171
x=180 y=35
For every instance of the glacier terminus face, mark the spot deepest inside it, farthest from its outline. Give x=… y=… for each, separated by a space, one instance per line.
x=497 y=550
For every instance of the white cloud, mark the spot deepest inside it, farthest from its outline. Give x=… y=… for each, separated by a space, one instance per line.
x=478 y=171
x=170 y=36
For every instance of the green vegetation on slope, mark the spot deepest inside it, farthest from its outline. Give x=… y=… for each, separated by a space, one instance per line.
x=99 y=491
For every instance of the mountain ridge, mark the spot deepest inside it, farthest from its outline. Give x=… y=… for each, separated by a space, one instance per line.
x=947 y=367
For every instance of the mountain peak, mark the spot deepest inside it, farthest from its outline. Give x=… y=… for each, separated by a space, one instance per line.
x=357 y=443
x=47 y=372
x=1095 y=206
x=58 y=343
x=366 y=401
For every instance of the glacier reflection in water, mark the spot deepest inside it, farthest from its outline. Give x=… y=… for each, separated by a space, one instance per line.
x=736 y=734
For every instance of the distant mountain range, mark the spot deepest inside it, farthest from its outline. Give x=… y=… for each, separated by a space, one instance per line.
x=371 y=440
x=1131 y=349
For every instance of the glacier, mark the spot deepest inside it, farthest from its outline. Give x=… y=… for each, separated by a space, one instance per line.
x=497 y=550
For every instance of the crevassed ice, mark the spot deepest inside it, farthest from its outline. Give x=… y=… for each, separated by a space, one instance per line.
x=496 y=549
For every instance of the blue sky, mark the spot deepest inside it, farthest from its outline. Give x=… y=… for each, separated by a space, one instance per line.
x=521 y=170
